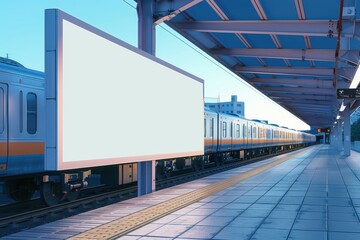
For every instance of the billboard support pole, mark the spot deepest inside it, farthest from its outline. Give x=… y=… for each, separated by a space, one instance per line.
x=146 y=42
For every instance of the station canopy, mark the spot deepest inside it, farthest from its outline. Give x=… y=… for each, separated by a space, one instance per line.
x=297 y=52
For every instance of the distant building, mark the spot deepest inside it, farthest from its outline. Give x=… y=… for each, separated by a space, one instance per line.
x=234 y=106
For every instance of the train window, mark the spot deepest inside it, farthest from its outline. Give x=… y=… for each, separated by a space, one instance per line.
x=31 y=113
x=204 y=127
x=254 y=132
x=211 y=127
x=2 y=110
x=21 y=109
x=224 y=129
x=244 y=131
x=237 y=130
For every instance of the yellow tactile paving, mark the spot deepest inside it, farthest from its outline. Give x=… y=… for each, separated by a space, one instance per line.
x=136 y=220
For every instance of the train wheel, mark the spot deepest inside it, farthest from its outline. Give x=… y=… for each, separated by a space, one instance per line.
x=72 y=195
x=22 y=189
x=51 y=193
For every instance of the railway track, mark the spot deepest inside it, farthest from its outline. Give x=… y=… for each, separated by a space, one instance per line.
x=23 y=217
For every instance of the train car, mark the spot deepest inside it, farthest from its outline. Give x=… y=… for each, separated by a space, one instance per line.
x=22 y=127
x=227 y=137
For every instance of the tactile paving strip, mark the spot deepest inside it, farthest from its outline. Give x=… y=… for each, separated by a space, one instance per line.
x=136 y=220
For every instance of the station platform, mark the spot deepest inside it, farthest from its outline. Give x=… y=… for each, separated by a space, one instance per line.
x=313 y=193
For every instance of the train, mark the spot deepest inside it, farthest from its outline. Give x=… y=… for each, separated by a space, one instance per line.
x=22 y=144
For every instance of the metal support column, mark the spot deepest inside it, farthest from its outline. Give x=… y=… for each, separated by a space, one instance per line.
x=333 y=137
x=146 y=42
x=347 y=132
x=339 y=135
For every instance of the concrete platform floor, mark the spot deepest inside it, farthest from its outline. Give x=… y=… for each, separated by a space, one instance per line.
x=316 y=196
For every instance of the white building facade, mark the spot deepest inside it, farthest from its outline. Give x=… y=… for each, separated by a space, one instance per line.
x=233 y=107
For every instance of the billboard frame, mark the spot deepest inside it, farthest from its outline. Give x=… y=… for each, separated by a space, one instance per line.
x=53 y=92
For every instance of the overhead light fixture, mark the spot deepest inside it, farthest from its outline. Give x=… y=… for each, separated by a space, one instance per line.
x=342 y=107
x=335 y=123
x=337 y=117
x=356 y=79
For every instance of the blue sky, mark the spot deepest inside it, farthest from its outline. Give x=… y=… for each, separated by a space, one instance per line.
x=22 y=39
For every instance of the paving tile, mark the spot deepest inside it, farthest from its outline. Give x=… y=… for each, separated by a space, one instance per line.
x=339 y=201
x=215 y=221
x=311 y=215
x=291 y=200
x=339 y=226
x=315 y=200
x=343 y=236
x=316 y=194
x=170 y=231
x=263 y=233
x=283 y=214
x=269 y=199
x=216 y=205
x=167 y=218
x=288 y=207
x=341 y=209
x=275 y=193
x=238 y=206
x=241 y=221
x=294 y=193
x=278 y=223
x=306 y=224
x=343 y=216
x=307 y=235
x=187 y=219
x=227 y=212
x=231 y=233
x=146 y=229
x=225 y=199
x=201 y=212
x=255 y=213
x=201 y=232
x=246 y=199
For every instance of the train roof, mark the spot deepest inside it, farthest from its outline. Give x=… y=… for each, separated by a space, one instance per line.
x=12 y=66
x=10 y=62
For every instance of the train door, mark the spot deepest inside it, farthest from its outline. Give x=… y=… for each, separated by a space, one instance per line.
x=250 y=136
x=231 y=135
x=212 y=132
x=4 y=137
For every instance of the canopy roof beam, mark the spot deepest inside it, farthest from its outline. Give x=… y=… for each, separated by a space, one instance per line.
x=290 y=71
x=315 y=83
x=322 y=28
x=297 y=54
x=167 y=9
x=324 y=91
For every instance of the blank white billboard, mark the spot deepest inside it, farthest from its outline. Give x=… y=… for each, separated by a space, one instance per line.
x=114 y=103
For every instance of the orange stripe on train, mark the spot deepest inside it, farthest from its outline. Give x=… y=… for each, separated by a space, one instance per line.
x=22 y=148
x=2 y=148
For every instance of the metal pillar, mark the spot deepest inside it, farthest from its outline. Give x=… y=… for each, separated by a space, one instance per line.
x=347 y=132
x=146 y=26
x=146 y=42
x=339 y=135
x=333 y=136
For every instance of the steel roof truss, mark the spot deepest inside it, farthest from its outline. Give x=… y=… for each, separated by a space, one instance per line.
x=297 y=54
x=324 y=28
x=324 y=91
x=167 y=9
x=315 y=83
x=316 y=72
